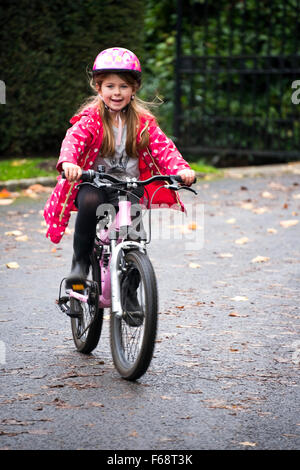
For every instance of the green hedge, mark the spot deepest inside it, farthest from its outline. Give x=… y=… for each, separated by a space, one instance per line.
x=46 y=48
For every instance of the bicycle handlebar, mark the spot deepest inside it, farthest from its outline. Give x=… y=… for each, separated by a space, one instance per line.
x=91 y=175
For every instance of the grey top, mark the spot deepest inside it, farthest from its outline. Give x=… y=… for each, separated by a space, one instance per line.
x=120 y=165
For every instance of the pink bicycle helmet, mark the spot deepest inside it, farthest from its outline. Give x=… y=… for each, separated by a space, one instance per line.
x=117 y=59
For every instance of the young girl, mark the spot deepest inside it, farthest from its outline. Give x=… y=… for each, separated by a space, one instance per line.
x=114 y=129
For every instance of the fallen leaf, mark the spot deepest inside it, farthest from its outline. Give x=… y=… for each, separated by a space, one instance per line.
x=62 y=404
x=281 y=360
x=194 y=265
x=14 y=233
x=9 y=421
x=268 y=195
x=271 y=230
x=277 y=186
x=12 y=265
x=95 y=404
x=260 y=210
x=22 y=238
x=221 y=404
x=242 y=241
x=167 y=439
x=247 y=205
x=4 y=194
x=234 y=314
x=260 y=259
x=246 y=443
x=239 y=298
x=10 y=434
x=133 y=434
x=193 y=226
x=28 y=192
x=6 y=202
x=225 y=255
x=288 y=223
x=39 y=188
x=18 y=162
x=39 y=432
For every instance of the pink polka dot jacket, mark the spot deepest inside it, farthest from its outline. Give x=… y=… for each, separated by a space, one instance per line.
x=82 y=145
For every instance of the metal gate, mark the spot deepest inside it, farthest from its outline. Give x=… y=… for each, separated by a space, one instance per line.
x=238 y=78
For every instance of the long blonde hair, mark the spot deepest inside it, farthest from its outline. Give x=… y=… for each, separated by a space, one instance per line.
x=135 y=109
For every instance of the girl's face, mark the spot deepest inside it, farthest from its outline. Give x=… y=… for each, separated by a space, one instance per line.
x=116 y=93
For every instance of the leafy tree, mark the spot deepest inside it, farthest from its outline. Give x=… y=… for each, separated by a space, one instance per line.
x=246 y=61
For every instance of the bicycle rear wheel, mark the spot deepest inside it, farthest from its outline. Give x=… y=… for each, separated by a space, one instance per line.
x=87 y=325
x=132 y=336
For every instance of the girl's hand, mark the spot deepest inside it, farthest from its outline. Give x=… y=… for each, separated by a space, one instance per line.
x=72 y=172
x=188 y=176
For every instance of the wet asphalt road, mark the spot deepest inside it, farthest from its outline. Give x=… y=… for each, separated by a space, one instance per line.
x=225 y=374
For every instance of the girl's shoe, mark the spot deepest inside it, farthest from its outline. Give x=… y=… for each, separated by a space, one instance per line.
x=76 y=280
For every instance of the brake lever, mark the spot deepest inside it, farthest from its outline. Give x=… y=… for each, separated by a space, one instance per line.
x=187 y=189
x=172 y=186
x=176 y=187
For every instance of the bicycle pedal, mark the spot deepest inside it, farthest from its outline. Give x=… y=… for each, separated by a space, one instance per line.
x=62 y=306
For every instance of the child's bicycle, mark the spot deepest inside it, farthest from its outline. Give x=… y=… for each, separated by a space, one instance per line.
x=121 y=278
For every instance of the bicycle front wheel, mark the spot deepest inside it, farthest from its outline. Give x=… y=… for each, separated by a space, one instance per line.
x=133 y=335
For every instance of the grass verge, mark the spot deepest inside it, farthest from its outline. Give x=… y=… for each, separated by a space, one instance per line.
x=201 y=167
x=19 y=168
x=22 y=168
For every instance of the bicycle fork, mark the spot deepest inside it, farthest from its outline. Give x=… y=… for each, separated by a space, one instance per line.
x=115 y=272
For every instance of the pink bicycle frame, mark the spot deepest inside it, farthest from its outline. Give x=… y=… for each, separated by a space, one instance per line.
x=110 y=295
x=122 y=219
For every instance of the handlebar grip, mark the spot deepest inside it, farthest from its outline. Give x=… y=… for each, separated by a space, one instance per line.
x=86 y=175
x=179 y=179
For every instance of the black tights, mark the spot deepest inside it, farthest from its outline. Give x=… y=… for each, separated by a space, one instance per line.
x=87 y=201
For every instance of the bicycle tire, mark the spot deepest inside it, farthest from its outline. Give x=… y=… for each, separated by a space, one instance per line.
x=88 y=342
x=133 y=368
